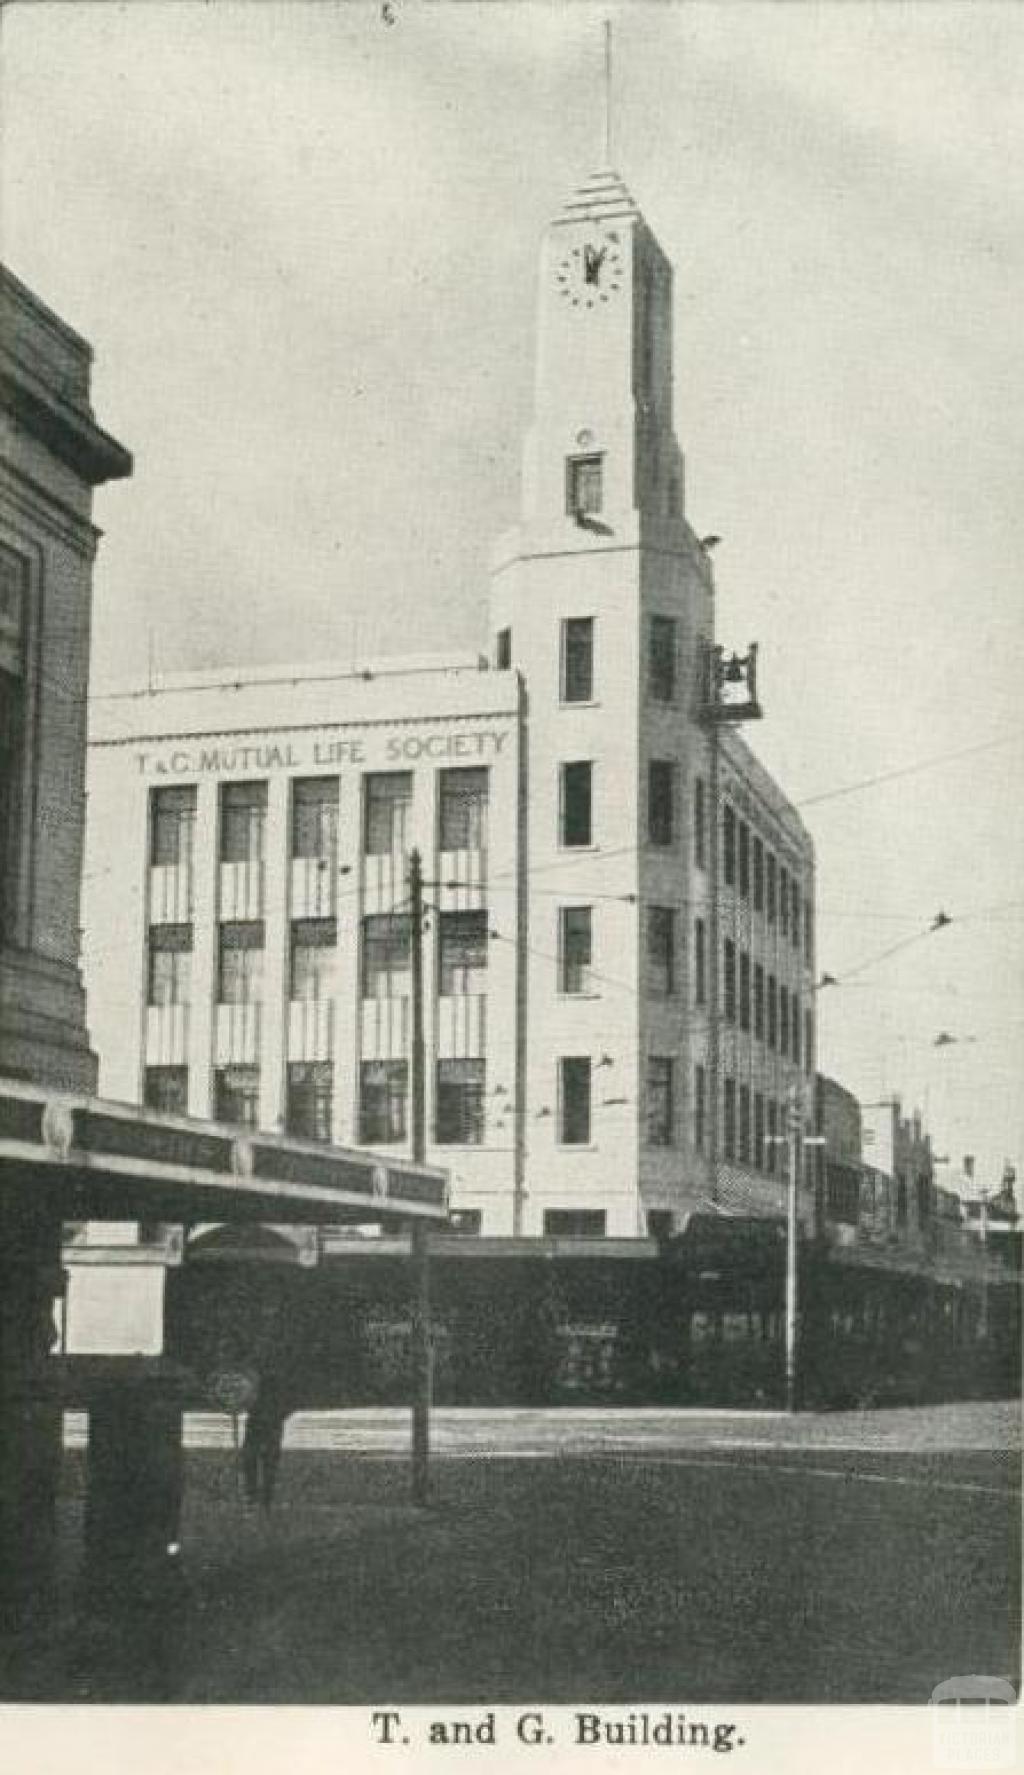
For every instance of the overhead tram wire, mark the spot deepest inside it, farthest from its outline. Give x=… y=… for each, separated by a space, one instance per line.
x=906 y=770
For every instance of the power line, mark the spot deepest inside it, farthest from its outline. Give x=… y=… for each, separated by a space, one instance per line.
x=907 y=770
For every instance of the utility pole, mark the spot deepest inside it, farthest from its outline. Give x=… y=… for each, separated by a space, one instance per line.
x=794 y=1131
x=420 y=1246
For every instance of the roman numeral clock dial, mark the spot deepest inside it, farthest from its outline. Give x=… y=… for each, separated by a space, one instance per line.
x=591 y=272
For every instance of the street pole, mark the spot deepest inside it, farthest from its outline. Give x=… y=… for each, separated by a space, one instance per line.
x=420 y=1245
x=792 y=1231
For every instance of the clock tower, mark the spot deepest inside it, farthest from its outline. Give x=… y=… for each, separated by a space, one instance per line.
x=602 y=599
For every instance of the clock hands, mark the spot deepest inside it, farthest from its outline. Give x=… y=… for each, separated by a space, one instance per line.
x=593 y=259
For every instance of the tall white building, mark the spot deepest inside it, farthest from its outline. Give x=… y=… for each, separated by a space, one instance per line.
x=620 y=937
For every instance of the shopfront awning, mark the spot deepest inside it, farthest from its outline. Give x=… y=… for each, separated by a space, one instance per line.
x=93 y=1160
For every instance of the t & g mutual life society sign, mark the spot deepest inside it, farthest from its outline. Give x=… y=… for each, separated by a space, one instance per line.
x=325 y=751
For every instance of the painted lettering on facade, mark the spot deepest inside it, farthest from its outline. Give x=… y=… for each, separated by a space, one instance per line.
x=371 y=750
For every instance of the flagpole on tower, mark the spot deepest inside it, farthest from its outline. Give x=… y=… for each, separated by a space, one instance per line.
x=607 y=92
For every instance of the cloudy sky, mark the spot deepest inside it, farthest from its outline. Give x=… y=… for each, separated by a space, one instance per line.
x=303 y=244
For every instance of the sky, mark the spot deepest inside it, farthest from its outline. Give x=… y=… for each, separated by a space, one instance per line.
x=303 y=244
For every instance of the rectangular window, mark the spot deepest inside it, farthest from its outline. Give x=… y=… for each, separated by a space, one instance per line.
x=759 y=1130
x=661 y=1121
x=744 y=1128
x=503 y=650
x=583 y=485
x=574 y=1100
x=387 y=955
x=700 y=1087
x=466 y=1220
x=729 y=953
x=729 y=846
x=700 y=962
x=729 y=1118
x=784 y=899
x=661 y=785
x=661 y=951
x=809 y=1041
x=758 y=859
x=808 y=929
x=575 y=804
x=794 y=913
x=237 y=1095
x=794 y=1038
x=240 y=963
x=773 y=1140
x=460 y=1102
x=699 y=824
x=574 y=1223
x=172 y=827
x=744 y=858
x=578 y=659
x=12 y=740
x=383 y=1098
x=744 y=990
x=309 y=1113
x=463 y=809
x=661 y=659
x=575 y=948
x=386 y=809
x=313 y=958
x=243 y=821
x=773 y=1012
x=759 y=1001
x=783 y=1021
x=170 y=964
x=462 y=954
x=166 y=1089
x=315 y=818
x=659 y=1223
x=769 y=885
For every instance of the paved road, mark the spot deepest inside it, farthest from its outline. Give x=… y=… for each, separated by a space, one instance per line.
x=635 y=1556
x=940 y=1429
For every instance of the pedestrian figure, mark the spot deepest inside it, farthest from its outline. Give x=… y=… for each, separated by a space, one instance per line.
x=264 y=1434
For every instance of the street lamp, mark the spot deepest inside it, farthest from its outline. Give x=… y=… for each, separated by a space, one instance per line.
x=793 y=1139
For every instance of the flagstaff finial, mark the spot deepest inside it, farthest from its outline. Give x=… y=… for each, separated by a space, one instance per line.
x=607 y=92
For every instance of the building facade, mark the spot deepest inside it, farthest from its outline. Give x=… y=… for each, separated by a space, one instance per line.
x=619 y=959
x=52 y=455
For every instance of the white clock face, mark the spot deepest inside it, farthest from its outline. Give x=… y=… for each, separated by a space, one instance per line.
x=591 y=271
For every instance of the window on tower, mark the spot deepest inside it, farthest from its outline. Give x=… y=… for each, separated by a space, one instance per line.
x=661 y=784
x=503 y=650
x=575 y=804
x=661 y=659
x=660 y=1100
x=661 y=951
x=578 y=659
x=574 y=1100
x=575 y=948
x=584 y=486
